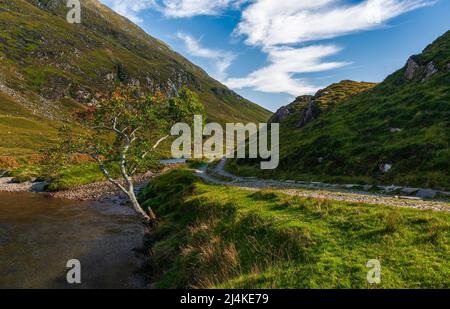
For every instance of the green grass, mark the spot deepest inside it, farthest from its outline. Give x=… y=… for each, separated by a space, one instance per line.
x=75 y=175
x=21 y=132
x=221 y=237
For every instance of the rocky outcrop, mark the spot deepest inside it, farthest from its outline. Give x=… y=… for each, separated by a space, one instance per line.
x=411 y=69
x=422 y=72
x=306 y=108
x=281 y=114
x=308 y=114
x=430 y=70
x=284 y=112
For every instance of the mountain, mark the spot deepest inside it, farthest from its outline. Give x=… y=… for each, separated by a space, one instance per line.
x=396 y=132
x=49 y=67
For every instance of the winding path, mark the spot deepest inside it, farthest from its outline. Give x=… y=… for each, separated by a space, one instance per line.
x=218 y=175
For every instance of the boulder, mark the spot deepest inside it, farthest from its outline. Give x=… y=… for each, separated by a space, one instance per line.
x=385 y=167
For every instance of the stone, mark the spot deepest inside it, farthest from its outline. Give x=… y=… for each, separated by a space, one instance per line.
x=385 y=167
x=110 y=76
x=430 y=70
x=426 y=193
x=280 y=115
x=411 y=69
x=307 y=115
x=395 y=130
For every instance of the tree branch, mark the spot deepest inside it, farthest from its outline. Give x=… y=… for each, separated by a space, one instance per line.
x=162 y=139
x=107 y=175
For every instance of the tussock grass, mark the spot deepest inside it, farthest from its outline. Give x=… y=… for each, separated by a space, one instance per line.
x=213 y=236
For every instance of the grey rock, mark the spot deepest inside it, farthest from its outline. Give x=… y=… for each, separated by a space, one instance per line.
x=110 y=76
x=411 y=69
x=426 y=193
x=280 y=115
x=307 y=115
x=430 y=70
x=285 y=111
x=385 y=167
x=395 y=130
x=409 y=190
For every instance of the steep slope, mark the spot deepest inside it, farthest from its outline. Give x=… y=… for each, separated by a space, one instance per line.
x=397 y=132
x=307 y=107
x=51 y=67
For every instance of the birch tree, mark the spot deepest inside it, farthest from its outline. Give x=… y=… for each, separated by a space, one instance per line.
x=124 y=131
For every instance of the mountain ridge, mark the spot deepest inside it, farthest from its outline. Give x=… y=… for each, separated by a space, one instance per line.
x=56 y=60
x=49 y=68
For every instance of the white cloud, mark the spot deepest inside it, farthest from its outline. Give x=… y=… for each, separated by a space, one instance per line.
x=172 y=8
x=285 y=62
x=189 y=8
x=276 y=25
x=222 y=59
x=130 y=8
x=269 y=22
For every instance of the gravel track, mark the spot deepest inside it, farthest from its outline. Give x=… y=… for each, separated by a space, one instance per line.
x=218 y=175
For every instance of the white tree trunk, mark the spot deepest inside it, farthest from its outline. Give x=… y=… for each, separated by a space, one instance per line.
x=150 y=216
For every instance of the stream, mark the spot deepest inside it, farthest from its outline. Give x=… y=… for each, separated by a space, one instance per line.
x=39 y=235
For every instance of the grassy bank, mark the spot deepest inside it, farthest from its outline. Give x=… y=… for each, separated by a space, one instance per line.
x=215 y=236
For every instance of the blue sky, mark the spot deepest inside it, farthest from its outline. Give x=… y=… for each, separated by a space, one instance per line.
x=271 y=51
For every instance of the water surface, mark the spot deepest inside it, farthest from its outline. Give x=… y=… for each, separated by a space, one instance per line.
x=39 y=234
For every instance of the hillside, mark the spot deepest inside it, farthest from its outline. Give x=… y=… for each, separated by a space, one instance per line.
x=49 y=67
x=397 y=132
x=214 y=236
x=306 y=108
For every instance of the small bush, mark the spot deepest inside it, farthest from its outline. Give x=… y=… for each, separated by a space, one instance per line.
x=22 y=178
x=7 y=162
x=393 y=220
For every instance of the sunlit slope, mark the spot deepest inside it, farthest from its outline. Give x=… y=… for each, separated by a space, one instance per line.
x=398 y=132
x=51 y=67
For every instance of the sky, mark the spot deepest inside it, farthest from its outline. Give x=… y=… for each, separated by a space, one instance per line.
x=271 y=51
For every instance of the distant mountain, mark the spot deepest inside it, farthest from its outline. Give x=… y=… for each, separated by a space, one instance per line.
x=396 y=132
x=48 y=67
